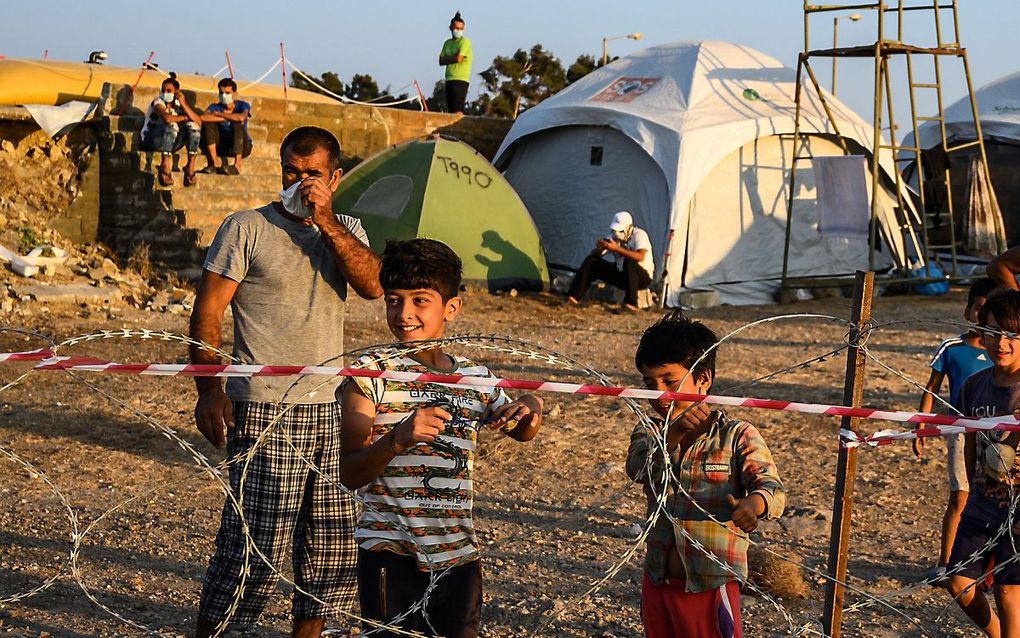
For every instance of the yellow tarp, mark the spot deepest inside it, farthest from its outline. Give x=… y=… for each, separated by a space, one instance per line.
x=52 y=82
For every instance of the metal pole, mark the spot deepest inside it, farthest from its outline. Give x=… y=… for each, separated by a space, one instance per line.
x=283 y=71
x=835 y=43
x=605 y=51
x=846 y=468
x=230 y=67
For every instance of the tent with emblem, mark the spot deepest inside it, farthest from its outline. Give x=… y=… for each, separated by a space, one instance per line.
x=443 y=189
x=695 y=140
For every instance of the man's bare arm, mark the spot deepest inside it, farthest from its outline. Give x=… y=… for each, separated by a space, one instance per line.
x=1003 y=269
x=359 y=263
x=213 y=411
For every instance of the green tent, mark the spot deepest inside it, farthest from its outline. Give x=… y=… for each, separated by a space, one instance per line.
x=443 y=189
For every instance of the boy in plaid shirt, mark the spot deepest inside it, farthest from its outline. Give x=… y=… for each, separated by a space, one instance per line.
x=723 y=467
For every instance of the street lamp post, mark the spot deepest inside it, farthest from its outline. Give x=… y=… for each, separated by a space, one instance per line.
x=605 y=44
x=835 y=43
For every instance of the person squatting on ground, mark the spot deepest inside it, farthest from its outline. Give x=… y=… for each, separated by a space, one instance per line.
x=623 y=259
x=456 y=57
x=225 y=131
x=956 y=358
x=170 y=125
x=993 y=471
x=284 y=269
x=409 y=448
x=724 y=462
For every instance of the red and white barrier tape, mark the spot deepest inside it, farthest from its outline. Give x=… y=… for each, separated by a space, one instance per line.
x=936 y=424
x=29 y=355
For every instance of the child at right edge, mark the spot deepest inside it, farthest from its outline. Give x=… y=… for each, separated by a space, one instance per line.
x=724 y=468
x=956 y=358
x=988 y=532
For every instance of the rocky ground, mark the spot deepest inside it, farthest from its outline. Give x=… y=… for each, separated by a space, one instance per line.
x=556 y=515
x=39 y=178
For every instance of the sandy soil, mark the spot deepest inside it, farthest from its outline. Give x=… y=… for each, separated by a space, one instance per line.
x=555 y=514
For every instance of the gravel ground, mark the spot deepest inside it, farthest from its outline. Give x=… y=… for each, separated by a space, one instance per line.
x=555 y=515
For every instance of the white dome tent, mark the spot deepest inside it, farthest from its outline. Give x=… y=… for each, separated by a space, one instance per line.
x=998 y=104
x=695 y=140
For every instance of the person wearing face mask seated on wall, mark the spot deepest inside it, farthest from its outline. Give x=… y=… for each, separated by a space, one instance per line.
x=225 y=130
x=284 y=269
x=170 y=124
x=623 y=259
x=456 y=57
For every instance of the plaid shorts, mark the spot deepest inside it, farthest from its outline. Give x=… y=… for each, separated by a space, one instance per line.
x=286 y=504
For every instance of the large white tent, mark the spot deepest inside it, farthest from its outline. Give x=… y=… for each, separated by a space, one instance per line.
x=999 y=111
x=695 y=140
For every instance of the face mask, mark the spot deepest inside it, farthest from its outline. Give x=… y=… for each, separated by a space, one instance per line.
x=168 y=97
x=293 y=203
x=226 y=99
x=457 y=32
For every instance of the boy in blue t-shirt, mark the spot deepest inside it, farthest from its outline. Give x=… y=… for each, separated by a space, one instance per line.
x=957 y=358
x=225 y=130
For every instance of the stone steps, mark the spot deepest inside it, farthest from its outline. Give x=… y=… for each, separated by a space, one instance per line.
x=149 y=162
x=178 y=223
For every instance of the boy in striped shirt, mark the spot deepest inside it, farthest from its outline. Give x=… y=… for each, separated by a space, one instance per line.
x=409 y=449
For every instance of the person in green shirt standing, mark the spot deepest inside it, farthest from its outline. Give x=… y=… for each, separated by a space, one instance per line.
x=456 y=57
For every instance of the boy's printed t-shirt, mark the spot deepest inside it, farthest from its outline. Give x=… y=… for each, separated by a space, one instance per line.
x=982 y=397
x=427 y=490
x=730 y=458
x=958 y=360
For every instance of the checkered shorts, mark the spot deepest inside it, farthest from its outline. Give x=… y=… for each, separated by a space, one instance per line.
x=286 y=504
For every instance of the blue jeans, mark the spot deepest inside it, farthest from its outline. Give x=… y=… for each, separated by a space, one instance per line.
x=170 y=138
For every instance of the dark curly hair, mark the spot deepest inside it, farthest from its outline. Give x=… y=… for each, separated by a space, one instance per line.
x=676 y=338
x=414 y=264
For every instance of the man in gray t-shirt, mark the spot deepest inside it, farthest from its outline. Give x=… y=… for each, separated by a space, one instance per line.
x=284 y=269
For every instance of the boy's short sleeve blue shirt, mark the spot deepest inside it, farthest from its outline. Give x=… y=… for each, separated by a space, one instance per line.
x=958 y=360
x=240 y=106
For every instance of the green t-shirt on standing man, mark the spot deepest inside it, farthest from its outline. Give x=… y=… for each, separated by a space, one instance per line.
x=458 y=70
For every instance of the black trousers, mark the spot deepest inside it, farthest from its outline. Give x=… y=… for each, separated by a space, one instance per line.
x=456 y=95
x=631 y=280
x=238 y=143
x=389 y=584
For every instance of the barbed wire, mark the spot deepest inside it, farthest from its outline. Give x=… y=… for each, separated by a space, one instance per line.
x=513 y=348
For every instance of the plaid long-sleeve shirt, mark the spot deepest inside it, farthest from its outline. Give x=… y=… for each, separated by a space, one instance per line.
x=730 y=458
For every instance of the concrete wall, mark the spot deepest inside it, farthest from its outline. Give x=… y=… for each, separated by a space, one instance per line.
x=118 y=199
x=178 y=223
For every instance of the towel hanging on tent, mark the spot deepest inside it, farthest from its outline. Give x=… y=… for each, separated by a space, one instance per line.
x=843 y=208
x=983 y=229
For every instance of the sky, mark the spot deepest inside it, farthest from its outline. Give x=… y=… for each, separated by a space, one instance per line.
x=398 y=40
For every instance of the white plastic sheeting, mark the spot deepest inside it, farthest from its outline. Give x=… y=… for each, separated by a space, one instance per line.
x=998 y=108
x=688 y=106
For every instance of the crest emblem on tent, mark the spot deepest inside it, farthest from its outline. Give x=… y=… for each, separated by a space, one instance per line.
x=625 y=90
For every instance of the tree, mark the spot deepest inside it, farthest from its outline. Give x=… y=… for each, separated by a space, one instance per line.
x=362 y=88
x=328 y=80
x=584 y=65
x=518 y=82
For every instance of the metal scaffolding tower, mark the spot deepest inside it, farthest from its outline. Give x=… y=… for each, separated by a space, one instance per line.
x=911 y=17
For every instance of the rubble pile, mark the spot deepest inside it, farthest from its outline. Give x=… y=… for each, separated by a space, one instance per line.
x=39 y=178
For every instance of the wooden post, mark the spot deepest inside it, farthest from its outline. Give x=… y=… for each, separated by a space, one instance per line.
x=846 y=468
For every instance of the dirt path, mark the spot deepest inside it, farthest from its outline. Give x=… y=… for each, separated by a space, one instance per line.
x=554 y=514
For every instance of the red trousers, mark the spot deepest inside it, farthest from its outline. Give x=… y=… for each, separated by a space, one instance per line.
x=668 y=611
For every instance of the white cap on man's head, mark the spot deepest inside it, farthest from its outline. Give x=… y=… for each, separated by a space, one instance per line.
x=621 y=221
